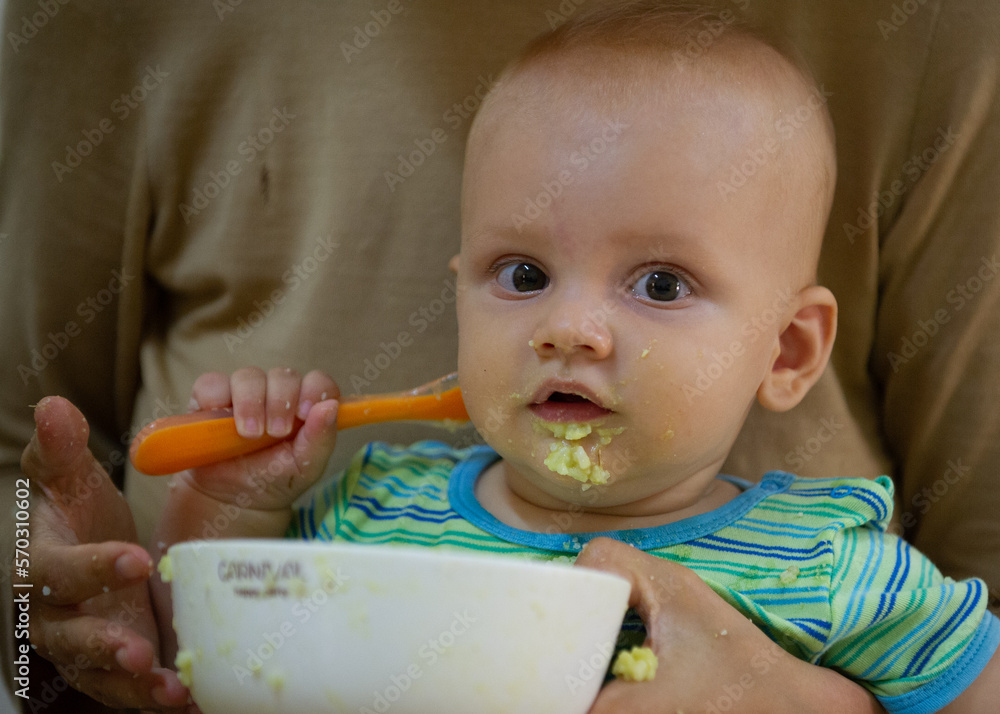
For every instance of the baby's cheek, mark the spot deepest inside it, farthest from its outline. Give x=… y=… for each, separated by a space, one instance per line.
x=492 y=411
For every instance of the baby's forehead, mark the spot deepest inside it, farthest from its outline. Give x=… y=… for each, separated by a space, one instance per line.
x=722 y=111
x=743 y=72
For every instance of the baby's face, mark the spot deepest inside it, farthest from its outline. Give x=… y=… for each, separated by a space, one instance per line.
x=605 y=279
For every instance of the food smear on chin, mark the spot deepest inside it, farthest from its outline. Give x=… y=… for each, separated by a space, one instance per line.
x=572 y=460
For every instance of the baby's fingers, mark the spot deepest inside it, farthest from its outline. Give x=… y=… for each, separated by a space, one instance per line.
x=273 y=478
x=249 y=385
x=315 y=442
x=211 y=391
x=282 y=400
x=317 y=387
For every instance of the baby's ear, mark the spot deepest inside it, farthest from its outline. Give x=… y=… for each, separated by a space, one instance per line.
x=453 y=263
x=802 y=352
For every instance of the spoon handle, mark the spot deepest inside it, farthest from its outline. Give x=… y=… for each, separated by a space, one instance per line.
x=187 y=441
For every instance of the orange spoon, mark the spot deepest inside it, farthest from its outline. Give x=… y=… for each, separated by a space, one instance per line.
x=186 y=441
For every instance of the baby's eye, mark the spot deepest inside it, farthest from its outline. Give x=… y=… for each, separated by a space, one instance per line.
x=522 y=278
x=661 y=286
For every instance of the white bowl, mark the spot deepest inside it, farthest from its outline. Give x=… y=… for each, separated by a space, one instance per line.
x=282 y=626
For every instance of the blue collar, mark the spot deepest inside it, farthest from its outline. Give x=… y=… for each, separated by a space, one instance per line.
x=462 y=494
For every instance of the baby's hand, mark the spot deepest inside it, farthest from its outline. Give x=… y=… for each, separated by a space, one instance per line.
x=283 y=404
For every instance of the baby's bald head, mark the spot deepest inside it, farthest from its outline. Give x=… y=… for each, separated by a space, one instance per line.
x=764 y=121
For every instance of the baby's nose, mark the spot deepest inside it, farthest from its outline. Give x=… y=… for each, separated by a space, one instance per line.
x=574 y=328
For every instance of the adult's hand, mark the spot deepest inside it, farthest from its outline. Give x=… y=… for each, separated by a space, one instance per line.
x=91 y=613
x=711 y=657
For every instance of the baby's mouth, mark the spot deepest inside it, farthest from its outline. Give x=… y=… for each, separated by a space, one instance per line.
x=565 y=406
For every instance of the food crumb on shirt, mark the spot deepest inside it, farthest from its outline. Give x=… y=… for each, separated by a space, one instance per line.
x=789 y=575
x=636 y=665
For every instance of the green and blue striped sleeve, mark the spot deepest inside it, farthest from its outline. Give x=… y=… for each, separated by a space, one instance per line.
x=913 y=637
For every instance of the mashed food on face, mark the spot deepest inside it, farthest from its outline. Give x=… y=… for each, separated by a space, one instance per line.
x=571 y=432
x=635 y=665
x=572 y=459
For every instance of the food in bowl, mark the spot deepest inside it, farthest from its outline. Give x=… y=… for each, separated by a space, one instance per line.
x=274 y=626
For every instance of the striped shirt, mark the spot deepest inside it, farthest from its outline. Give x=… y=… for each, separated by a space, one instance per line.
x=810 y=561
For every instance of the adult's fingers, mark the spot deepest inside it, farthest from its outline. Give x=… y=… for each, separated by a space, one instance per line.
x=58 y=451
x=92 y=642
x=157 y=690
x=70 y=574
x=76 y=499
x=654 y=581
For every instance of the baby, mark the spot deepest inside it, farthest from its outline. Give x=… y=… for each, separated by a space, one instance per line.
x=641 y=226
